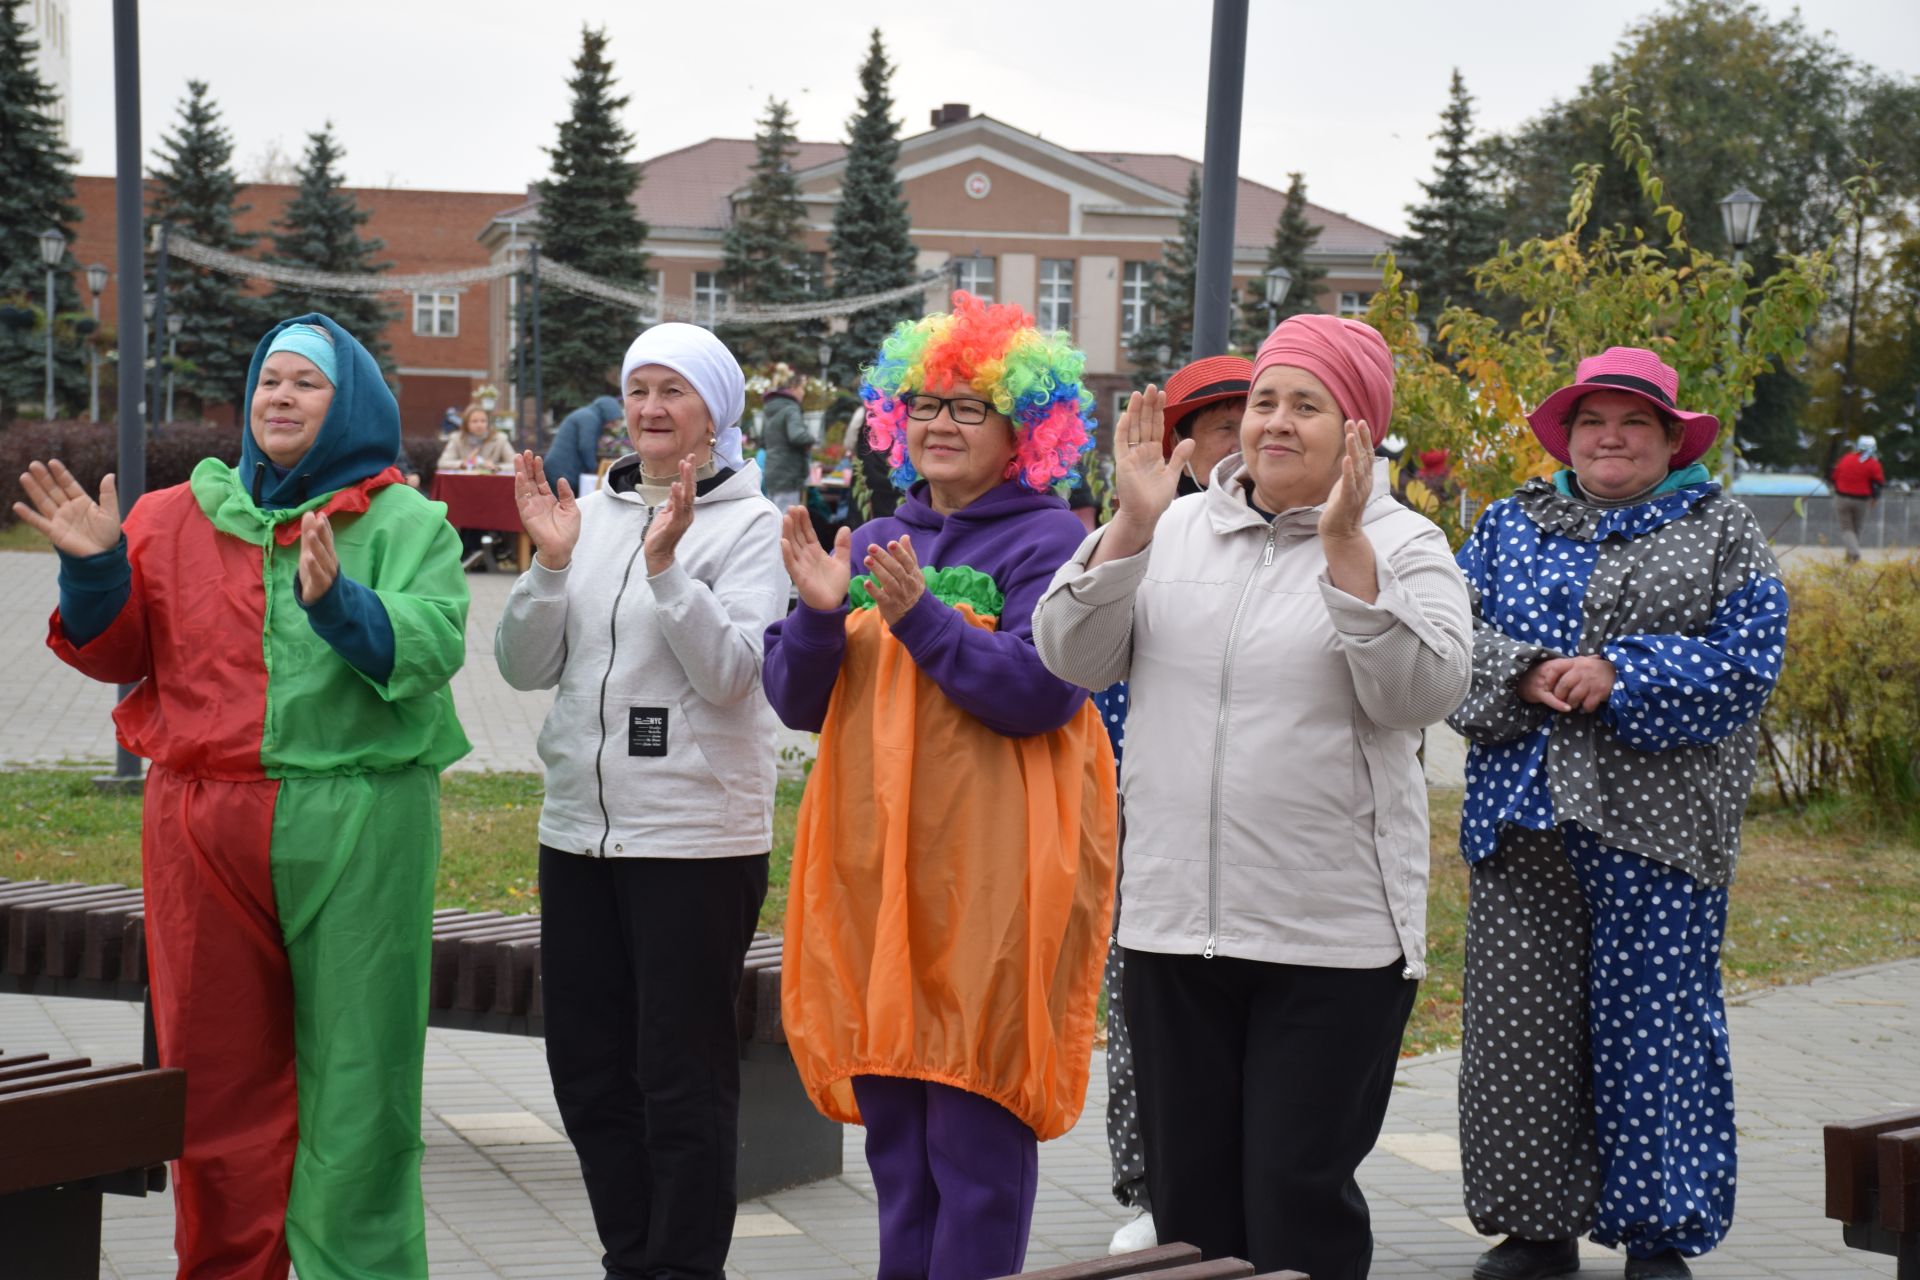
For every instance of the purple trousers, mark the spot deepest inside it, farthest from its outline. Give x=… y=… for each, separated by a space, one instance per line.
x=955 y=1175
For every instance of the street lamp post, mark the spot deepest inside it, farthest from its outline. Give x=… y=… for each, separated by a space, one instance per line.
x=175 y=323
x=1279 y=284
x=97 y=276
x=826 y=354
x=53 y=247
x=1739 y=218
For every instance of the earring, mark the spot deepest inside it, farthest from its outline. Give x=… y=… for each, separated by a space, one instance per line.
x=712 y=440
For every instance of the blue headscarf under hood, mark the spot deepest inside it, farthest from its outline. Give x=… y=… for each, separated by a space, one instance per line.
x=360 y=437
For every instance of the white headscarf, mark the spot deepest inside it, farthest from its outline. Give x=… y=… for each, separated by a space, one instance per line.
x=703 y=360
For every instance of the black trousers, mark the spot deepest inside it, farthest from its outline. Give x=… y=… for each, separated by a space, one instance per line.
x=1262 y=1087
x=639 y=971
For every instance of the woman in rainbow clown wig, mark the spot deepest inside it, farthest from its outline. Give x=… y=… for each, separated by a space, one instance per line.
x=953 y=864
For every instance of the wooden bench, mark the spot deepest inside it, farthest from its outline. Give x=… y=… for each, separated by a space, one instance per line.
x=71 y=1131
x=1164 y=1262
x=484 y=975
x=1873 y=1186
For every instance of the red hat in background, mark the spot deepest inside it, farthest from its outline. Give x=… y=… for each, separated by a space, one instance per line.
x=1206 y=381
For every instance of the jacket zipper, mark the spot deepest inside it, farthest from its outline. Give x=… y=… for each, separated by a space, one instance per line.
x=1220 y=749
x=613 y=650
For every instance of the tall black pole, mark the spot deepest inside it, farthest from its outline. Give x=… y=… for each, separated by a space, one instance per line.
x=1220 y=179
x=539 y=386
x=131 y=268
x=159 y=320
x=520 y=361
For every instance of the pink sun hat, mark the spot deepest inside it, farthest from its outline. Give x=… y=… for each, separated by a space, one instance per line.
x=1639 y=372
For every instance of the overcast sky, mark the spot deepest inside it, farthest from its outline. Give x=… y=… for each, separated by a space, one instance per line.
x=467 y=96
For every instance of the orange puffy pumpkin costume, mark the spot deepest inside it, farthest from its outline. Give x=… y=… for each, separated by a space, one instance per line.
x=952 y=887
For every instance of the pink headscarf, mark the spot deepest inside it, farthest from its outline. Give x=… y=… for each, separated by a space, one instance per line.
x=1350 y=357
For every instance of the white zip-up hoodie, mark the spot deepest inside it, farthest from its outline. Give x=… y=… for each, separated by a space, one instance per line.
x=1275 y=807
x=660 y=742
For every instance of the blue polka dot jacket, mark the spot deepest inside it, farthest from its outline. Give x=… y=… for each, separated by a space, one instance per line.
x=1682 y=596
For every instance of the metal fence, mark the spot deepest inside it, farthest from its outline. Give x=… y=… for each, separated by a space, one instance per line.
x=1893 y=521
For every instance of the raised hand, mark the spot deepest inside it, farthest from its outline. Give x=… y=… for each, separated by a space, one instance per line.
x=897 y=581
x=1147 y=481
x=672 y=521
x=820 y=578
x=1346 y=505
x=551 y=518
x=61 y=510
x=319 y=562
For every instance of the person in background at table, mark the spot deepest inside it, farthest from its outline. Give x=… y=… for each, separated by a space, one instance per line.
x=289 y=627
x=953 y=860
x=476 y=446
x=1857 y=480
x=644 y=609
x=576 y=441
x=1628 y=627
x=786 y=446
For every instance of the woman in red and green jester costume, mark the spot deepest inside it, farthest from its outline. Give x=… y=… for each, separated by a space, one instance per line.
x=289 y=627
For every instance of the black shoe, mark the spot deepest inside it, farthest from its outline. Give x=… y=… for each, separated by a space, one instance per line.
x=1519 y=1259
x=1661 y=1266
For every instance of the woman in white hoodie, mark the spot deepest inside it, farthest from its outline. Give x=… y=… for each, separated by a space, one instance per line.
x=645 y=607
x=1286 y=634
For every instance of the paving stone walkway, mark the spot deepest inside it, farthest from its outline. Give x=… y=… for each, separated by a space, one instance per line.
x=504 y=1197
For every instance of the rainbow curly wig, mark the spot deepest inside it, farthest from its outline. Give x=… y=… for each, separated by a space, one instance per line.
x=997 y=350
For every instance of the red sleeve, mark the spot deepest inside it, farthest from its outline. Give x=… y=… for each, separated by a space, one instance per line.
x=120 y=654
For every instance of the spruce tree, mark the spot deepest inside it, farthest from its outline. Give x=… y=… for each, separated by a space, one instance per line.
x=1169 y=321
x=588 y=221
x=195 y=191
x=35 y=196
x=870 y=244
x=320 y=231
x=1458 y=226
x=1293 y=236
x=765 y=262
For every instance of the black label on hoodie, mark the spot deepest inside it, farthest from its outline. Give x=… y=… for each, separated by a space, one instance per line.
x=646 y=731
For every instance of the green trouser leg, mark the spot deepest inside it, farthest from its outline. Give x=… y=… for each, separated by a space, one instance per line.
x=354 y=858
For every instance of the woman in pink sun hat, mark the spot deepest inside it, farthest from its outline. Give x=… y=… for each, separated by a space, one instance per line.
x=1629 y=623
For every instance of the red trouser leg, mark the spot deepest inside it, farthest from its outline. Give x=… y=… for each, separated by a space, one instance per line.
x=223 y=1010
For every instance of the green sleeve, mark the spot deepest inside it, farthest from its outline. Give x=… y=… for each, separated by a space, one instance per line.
x=424 y=588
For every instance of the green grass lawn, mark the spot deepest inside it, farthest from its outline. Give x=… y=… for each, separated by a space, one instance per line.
x=1816 y=892
x=21 y=536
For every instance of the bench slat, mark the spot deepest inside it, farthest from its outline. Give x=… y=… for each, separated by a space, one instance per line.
x=1853 y=1163
x=66 y=927
x=1900 y=1179
x=1160 y=1260
x=19 y=912
x=33 y=1064
x=100 y=950
x=477 y=960
x=67 y=1131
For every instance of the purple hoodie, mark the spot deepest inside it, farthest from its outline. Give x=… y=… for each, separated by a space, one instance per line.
x=1013 y=535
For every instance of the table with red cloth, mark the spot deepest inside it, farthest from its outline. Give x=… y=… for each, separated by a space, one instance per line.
x=481 y=500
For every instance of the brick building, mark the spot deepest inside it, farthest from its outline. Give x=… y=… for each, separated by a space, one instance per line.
x=1071 y=236
x=440 y=342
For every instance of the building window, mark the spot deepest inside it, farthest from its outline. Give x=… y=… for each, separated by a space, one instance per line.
x=709 y=297
x=1134 y=279
x=1354 y=305
x=975 y=275
x=436 y=315
x=656 y=285
x=1056 y=294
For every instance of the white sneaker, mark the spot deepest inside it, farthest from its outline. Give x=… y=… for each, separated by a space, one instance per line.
x=1137 y=1234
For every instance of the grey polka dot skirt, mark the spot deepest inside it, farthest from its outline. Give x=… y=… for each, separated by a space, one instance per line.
x=1596 y=1086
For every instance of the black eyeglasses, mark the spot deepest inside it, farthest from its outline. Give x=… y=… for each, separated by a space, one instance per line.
x=962 y=409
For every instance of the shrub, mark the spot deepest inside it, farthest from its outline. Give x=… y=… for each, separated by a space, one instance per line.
x=1846 y=715
x=92 y=449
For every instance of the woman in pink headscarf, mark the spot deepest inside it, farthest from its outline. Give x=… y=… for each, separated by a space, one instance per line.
x=1287 y=633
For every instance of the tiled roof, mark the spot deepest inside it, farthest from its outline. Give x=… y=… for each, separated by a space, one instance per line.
x=1257 y=208
x=690 y=188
